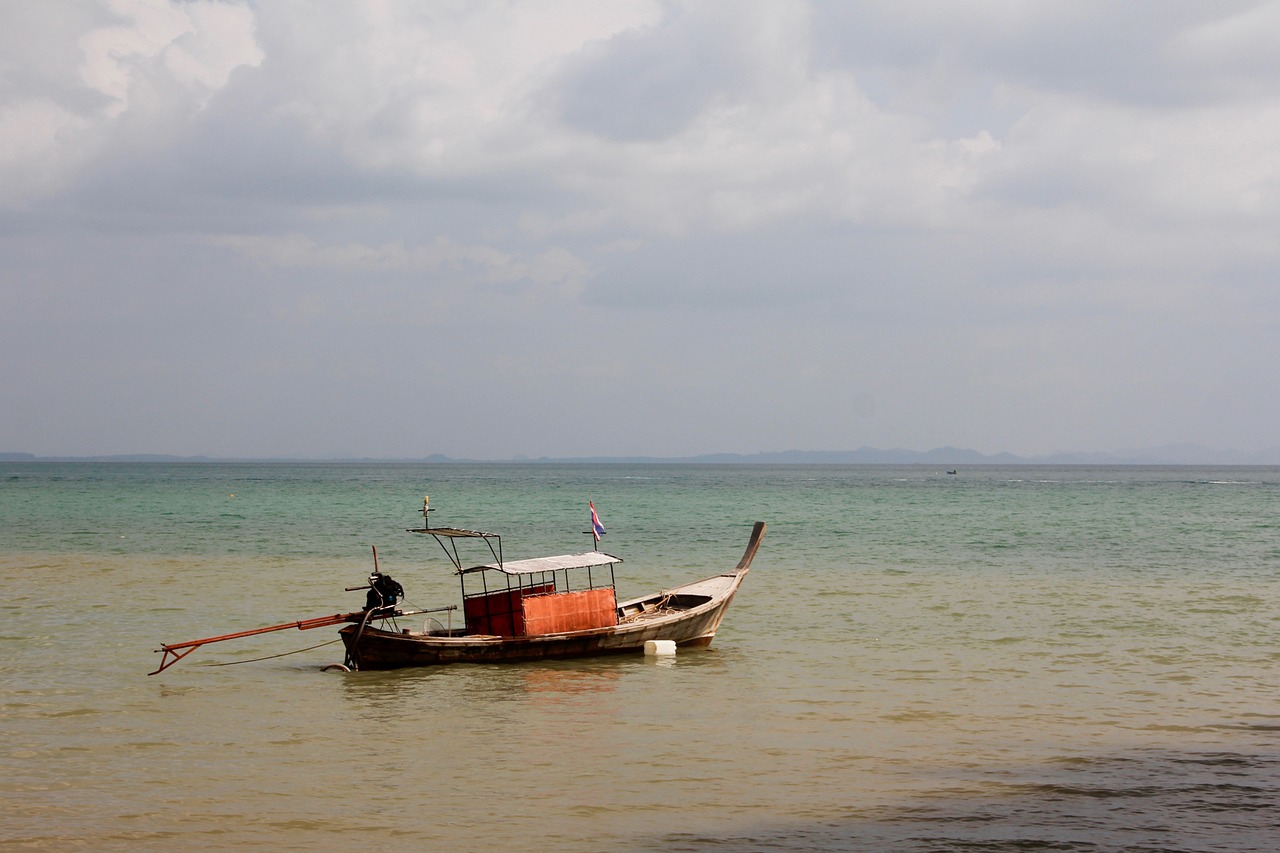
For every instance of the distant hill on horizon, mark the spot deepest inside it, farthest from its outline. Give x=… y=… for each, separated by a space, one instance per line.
x=1183 y=454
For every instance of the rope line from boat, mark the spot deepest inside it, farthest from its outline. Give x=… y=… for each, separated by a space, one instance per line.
x=418 y=610
x=270 y=657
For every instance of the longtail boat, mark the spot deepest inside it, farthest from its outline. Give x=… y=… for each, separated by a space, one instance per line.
x=519 y=610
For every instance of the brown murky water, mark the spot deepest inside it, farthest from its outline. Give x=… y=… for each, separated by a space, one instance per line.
x=1059 y=659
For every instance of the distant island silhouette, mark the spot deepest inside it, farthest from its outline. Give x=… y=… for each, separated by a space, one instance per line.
x=949 y=457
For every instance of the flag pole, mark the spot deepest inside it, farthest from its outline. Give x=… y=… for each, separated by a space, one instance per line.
x=597 y=529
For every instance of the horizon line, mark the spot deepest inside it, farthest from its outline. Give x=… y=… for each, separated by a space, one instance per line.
x=1167 y=455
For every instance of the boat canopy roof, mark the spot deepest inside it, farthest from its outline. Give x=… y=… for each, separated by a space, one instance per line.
x=588 y=560
x=454 y=532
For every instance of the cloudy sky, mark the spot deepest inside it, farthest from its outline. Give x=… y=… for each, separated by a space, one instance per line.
x=573 y=228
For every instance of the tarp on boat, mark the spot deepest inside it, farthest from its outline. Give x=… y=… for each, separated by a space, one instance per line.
x=589 y=560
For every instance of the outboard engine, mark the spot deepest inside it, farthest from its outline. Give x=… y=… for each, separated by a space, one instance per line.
x=383 y=591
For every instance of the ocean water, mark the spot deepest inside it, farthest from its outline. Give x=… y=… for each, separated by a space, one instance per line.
x=1010 y=658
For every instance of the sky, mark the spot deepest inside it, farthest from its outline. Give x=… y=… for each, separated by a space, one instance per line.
x=573 y=228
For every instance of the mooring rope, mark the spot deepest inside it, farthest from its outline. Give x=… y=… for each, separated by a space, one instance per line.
x=269 y=657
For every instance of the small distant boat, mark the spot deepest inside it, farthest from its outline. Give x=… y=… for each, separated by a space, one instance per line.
x=952 y=471
x=518 y=610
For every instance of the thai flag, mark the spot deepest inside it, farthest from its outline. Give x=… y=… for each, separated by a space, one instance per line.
x=597 y=529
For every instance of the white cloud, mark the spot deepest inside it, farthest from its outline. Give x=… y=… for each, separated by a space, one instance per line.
x=431 y=88
x=1201 y=163
x=445 y=265
x=33 y=151
x=1238 y=53
x=157 y=60
x=743 y=131
x=197 y=45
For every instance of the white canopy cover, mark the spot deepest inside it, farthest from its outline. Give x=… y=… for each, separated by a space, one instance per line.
x=588 y=560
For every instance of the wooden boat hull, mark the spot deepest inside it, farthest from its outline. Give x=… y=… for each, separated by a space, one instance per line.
x=688 y=615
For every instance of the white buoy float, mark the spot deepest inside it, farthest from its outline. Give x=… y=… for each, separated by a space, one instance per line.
x=659 y=647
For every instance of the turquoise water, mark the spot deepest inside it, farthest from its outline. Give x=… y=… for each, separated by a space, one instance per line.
x=1009 y=658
